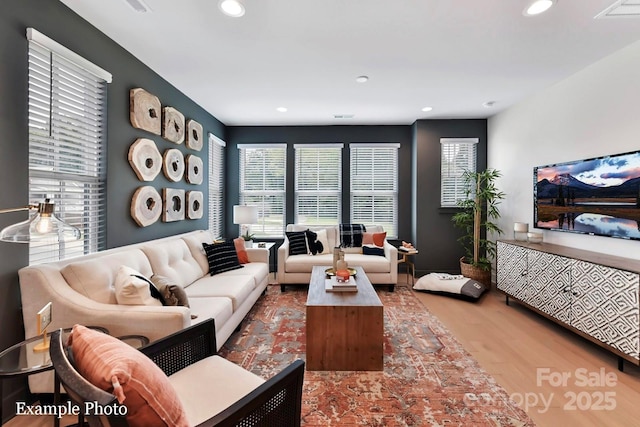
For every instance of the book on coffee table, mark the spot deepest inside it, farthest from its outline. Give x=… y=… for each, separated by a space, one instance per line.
x=332 y=285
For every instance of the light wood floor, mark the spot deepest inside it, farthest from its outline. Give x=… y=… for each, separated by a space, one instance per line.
x=513 y=344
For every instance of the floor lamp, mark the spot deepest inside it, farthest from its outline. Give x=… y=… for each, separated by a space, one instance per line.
x=43 y=224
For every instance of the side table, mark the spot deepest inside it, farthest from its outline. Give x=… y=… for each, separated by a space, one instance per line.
x=407 y=260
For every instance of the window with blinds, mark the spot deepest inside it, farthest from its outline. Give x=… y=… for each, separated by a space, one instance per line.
x=67 y=121
x=216 y=184
x=263 y=184
x=318 y=183
x=456 y=156
x=374 y=185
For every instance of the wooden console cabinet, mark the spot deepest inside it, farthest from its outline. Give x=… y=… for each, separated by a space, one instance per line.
x=594 y=295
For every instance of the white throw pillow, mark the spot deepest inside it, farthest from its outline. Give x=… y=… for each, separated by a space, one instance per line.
x=132 y=290
x=322 y=238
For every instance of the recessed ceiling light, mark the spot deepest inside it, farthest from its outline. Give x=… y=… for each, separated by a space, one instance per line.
x=488 y=104
x=233 y=8
x=426 y=109
x=536 y=7
x=281 y=109
x=139 y=5
x=362 y=79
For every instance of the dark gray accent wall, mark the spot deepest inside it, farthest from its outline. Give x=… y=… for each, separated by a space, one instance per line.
x=55 y=20
x=432 y=230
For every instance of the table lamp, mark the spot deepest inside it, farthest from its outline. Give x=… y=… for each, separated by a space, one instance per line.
x=245 y=216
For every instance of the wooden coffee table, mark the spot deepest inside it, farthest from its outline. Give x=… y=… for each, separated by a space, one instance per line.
x=344 y=329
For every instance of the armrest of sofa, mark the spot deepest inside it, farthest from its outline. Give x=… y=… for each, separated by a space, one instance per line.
x=258 y=255
x=391 y=253
x=277 y=402
x=283 y=254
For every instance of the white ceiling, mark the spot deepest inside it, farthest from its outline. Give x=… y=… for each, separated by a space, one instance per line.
x=452 y=55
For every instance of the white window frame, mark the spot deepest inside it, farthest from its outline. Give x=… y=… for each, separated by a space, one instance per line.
x=216 y=184
x=268 y=192
x=456 y=156
x=374 y=185
x=67 y=144
x=318 y=184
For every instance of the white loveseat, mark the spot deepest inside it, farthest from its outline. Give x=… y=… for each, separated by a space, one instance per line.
x=296 y=269
x=82 y=290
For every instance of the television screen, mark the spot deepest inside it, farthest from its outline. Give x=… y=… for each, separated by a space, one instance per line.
x=595 y=196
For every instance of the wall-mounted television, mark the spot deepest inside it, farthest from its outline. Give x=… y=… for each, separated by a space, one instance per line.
x=599 y=196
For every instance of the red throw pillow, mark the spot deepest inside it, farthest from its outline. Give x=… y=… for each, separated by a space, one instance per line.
x=132 y=377
x=241 y=250
x=374 y=238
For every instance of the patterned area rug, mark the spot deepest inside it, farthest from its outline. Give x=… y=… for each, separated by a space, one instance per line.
x=428 y=378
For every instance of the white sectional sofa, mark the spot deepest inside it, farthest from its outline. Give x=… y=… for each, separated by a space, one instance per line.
x=82 y=290
x=296 y=269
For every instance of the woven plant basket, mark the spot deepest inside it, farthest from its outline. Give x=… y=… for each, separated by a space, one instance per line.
x=475 y=273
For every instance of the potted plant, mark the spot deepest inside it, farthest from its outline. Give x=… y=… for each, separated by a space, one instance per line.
x=478 y=218
x=248 y=238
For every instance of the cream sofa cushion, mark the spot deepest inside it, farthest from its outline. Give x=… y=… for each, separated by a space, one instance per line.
x=305 y=263
x=194 y=242
x=95 y=278
x=370 y=263
x=219 y=308
x=173 y=260
x=210 y=386
x=236 y=287
x=259 y=271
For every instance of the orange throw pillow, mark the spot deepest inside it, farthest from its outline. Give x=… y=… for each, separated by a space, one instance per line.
x=137 y=382
x=243 y=257
x=374 y=238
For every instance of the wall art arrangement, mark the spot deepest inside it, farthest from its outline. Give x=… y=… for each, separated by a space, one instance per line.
x=148 y=203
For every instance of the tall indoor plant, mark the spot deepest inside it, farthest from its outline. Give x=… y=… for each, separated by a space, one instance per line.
x=478 y=216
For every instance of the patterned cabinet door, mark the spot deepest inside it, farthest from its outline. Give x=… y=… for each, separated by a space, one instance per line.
x=549 y=287
x=511 y=269
x=605 y=305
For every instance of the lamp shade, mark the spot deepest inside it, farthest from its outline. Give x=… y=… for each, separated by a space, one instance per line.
x=243 y=214
x=42 y=225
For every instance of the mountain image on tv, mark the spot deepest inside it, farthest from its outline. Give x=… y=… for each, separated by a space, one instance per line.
x=596 y=196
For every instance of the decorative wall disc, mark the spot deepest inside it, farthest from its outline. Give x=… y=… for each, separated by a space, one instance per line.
x=173 y=205
x=194 y=135
x=146 y=206
x=172 y=125
x=173 y=164
x=195 y=208
x=145 y=159
x=195 y=170
x=145 y=111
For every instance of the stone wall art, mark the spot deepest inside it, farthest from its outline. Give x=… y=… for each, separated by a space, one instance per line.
x=145 y=111
x=145 y=159
x=195 y=208
x=194 y=135
x=172 y=125
x=146 y=206
x=195 y=169
x=174 y=206
x=173 y=164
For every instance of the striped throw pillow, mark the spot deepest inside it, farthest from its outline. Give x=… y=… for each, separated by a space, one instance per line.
x=297 y=242
x=221 y=257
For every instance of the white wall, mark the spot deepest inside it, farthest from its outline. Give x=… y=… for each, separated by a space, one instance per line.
x=592 y=113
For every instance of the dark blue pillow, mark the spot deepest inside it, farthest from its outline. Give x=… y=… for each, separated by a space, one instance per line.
x=368 y=250
x=297 y=242
x=221 y=257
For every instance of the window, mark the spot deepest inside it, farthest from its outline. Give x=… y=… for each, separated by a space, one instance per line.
x=263 y=184
x=67 y=120
x=318 y=183
x=216 y=184
x=374 y=185
x=457 y=155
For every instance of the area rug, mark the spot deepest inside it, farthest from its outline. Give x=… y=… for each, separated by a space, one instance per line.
x=428 y=378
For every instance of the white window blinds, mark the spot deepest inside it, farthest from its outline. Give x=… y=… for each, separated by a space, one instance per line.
x=457 y=155
x=263 y=184
x=374 y=185
x=318 y=183
x=67 y=143
x=216 y=184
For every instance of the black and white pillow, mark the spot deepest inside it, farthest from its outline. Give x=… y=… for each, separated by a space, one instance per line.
x=372 y=250
x=221 y=257
x=297 y=242
x=315 y=245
